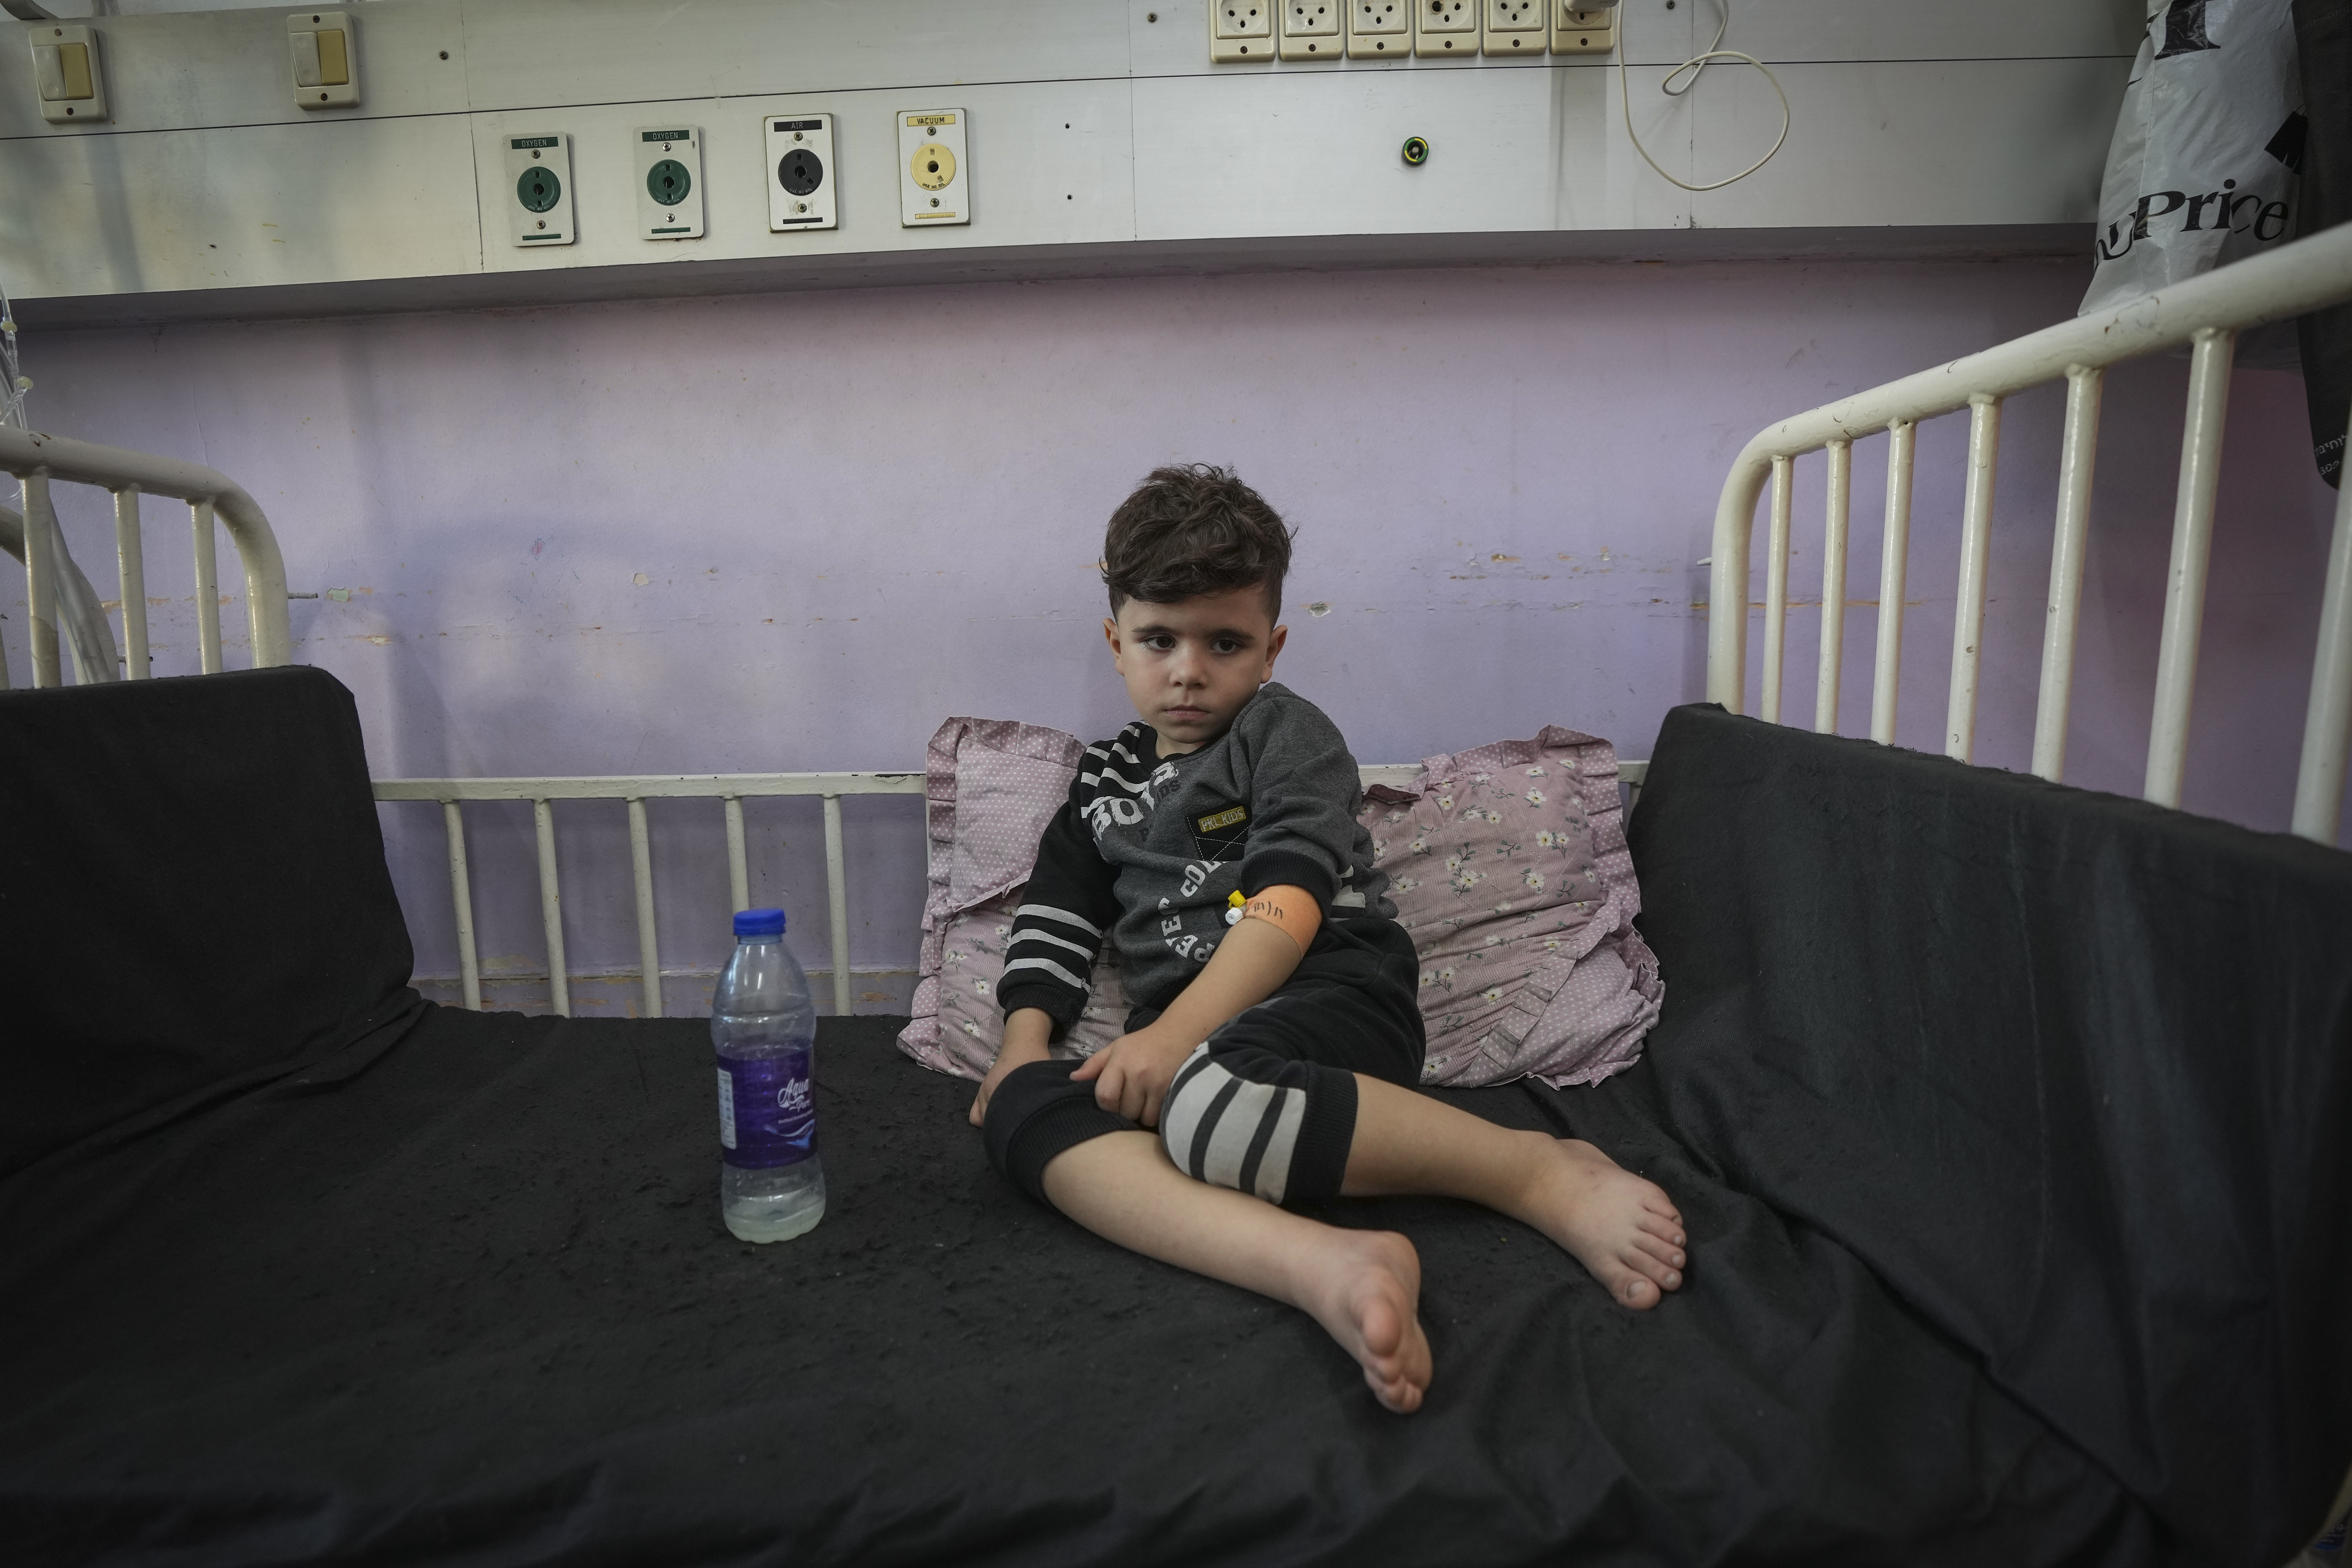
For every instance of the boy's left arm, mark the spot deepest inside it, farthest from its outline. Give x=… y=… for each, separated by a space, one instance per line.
x=1305 y=784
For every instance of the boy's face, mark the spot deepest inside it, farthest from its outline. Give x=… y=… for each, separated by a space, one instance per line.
x=1188 y=666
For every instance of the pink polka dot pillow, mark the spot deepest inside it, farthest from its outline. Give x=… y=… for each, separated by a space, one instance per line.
x=991 y=786
x=1508 y=866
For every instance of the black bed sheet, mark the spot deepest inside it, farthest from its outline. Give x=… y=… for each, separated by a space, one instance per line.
x=2071 y=1073
x=470 y=1301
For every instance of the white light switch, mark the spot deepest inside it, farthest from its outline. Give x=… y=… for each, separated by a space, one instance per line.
x=66 y=74
x=539 y=189
x=802 y=179
x=669 y=182
x=326 y=60
x=934 y=171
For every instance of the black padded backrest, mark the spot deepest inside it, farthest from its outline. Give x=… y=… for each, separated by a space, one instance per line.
x=2071 y=1072
x=192 y=887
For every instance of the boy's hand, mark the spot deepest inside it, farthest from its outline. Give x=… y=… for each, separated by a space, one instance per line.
x=1131 y=1074
x=1025 y=1036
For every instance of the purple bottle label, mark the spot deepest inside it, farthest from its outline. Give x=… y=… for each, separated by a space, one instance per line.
x=767 y=1115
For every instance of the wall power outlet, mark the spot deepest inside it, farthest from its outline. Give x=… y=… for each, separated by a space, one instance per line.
x=1518 y=27
x=1443 y=29
x=1380 y=29
x=669 y=182
x=802 y=181
x=1310 y=29
x=1241 y=30
x=1579 y=32
x=539 y=189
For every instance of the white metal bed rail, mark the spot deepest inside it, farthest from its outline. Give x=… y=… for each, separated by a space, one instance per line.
x=2206 y=313
x=732 y=790
x=38 y=460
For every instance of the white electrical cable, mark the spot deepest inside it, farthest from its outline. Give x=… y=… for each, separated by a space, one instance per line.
x=1695 y=65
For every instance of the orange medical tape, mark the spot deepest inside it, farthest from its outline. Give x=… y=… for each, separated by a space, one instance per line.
x=1292 y=910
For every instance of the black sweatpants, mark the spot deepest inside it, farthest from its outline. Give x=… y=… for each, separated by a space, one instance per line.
x=1267 y=1103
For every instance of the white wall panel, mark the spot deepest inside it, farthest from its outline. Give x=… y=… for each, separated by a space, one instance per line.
x=1774 y=30
x=249 y=206
x=1103 y=142
x=231 y=68
x=1955 y=142
x=521 y=53
x=1049 y=165
x=1512 y=149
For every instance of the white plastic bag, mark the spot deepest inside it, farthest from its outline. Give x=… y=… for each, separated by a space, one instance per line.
x=2202 y=168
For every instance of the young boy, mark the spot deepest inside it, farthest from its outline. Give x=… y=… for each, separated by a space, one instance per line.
x=1277 y=1034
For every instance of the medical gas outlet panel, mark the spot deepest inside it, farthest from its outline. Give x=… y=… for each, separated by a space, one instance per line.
x=802 y=173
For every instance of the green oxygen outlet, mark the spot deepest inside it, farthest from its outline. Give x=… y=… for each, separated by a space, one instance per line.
x=668 y=182
x=539 y=189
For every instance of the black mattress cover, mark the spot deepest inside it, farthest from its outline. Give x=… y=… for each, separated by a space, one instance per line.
x=2071 y=1073
x=339 y=1276
x=474 y=1304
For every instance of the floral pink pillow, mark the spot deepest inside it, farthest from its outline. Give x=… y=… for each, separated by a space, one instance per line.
x=968 y=1025
x=1510 y=868
x=991 y=785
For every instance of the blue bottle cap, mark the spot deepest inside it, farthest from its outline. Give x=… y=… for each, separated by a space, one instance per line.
x=759 y=923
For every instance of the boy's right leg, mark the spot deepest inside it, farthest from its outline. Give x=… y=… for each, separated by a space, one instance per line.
x=1620 y=1226
x=1048 y=1136
x=1362 y=1286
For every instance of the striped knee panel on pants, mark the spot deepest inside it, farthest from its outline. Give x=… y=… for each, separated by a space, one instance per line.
x=1258 y=1123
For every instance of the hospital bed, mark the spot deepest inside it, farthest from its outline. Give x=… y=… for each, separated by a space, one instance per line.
x=2003 y=1116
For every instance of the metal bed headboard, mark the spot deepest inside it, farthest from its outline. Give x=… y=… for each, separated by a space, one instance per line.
x=55 y=588
x=732 y=790
x=2206 y=313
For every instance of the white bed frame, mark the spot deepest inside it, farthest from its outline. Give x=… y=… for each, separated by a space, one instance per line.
x=2206 y=313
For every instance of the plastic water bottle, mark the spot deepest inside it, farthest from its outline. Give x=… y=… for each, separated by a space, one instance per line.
x=771 y=1183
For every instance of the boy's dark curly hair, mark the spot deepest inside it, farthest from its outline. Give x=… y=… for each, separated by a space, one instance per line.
x=1191 y=529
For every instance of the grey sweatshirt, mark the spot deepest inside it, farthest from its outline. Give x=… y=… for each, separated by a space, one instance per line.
x=1148 y=852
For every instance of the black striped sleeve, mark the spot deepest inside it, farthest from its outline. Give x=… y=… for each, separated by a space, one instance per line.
x=1064 y=917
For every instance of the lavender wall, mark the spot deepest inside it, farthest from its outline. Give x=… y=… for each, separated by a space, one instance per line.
x=794 y=532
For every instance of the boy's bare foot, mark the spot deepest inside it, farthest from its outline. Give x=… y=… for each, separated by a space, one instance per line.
x=1364 y=1288
x=1622 y=1227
